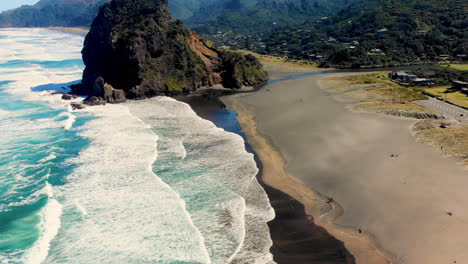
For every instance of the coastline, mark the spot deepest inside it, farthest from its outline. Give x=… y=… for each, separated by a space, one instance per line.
x=296 y=239
x=378 y=202
x=363 y=247
x=71 y=30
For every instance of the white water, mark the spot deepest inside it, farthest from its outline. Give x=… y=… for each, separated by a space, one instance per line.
x=112 y=207
x=232 y=215
x=21 y=53
x=50 y=226
x=128 y=215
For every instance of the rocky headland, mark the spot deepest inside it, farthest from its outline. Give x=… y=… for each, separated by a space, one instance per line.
x=134 y=50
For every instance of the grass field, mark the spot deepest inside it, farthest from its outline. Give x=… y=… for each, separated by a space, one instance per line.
x=457 y=98
x=460 y=67
x=376 y=93
x=451 y=141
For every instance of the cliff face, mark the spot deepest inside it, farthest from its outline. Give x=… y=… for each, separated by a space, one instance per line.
x=136 y=47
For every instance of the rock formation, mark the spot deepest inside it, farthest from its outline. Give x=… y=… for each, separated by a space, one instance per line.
x=135 y=50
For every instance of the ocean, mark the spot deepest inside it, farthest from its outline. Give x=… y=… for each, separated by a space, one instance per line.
x=142 y=182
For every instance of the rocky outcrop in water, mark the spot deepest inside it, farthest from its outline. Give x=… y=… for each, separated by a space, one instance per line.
x=137 y=49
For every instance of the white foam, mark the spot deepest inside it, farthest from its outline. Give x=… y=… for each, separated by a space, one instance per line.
x=232 y=217
x=68 y=123
x=48 y=158
x=50 y=226
x=22 y=48
x=4 y=113
x=131 y=216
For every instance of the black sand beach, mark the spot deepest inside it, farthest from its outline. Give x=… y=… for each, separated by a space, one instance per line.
x=296 y=239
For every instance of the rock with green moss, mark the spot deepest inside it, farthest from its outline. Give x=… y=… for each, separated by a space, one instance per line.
x=135 y=47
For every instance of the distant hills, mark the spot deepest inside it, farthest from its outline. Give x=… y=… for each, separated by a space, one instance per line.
x=376 y=32
x=260 y=15
x=67 y=13
x=202 y=15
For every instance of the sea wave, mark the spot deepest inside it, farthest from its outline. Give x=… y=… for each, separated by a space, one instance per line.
x=126 y=213
x=216 y=178
x=50 y=226
x=37 y=135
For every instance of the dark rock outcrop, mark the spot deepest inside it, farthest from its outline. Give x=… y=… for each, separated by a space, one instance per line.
x=138 y=51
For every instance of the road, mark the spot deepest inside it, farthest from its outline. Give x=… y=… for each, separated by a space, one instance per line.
x=448 y=110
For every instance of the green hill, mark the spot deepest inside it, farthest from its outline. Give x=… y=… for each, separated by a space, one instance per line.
x=382 y=32
x=68 y=13
x=259 y=15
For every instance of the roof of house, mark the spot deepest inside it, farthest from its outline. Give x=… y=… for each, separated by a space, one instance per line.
x=421 y=80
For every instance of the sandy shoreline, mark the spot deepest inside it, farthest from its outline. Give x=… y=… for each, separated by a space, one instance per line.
x=296 y=239
x=402 y=202
x=71 y=30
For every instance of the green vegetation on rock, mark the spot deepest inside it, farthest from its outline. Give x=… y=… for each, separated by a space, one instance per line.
x=135 y=46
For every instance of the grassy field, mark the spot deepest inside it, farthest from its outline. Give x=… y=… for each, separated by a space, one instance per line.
x=457 y=98
x=384 y=89
x=451 y=141
x=376 y=93
x=278 y=60
x=460 y=67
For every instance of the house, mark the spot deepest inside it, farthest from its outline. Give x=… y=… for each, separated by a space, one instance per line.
x=381 y=31
x=422 y=82
x=459 y=85
x=403 y=76
x=376 y=51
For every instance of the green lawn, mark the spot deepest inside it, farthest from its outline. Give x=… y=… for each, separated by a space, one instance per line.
x=460 y=67
x=457 y=98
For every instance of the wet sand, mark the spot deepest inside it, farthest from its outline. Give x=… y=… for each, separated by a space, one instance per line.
x=296 y=239
x=313 y=149
x=71 y=30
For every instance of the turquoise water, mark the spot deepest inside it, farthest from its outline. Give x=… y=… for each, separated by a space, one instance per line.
x=141 y=182
x=35 y=141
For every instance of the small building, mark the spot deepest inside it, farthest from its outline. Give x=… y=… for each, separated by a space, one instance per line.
x=422 y=82
x=403 y=77
x=376 y=51
x=381 y=31
x=459 y=85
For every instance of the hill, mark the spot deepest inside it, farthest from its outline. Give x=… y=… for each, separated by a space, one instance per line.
x=259 y=15
x=203 y=15
x=373 y=33
x=67 y=13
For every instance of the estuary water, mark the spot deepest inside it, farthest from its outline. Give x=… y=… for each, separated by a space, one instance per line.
x=141 y=182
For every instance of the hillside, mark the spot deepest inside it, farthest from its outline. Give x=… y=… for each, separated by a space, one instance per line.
x=380 y=32
x=259 y=15
x=203 y=15
x=67 y=13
